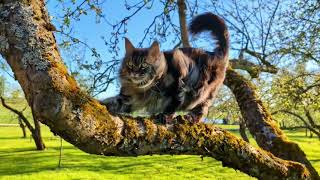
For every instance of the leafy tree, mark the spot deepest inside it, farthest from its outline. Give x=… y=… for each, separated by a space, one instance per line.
x=297 y=93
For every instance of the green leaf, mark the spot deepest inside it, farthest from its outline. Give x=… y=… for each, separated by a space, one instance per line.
x=66 y=21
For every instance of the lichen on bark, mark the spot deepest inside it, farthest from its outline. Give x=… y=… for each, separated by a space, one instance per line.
x=4 y=45
x=24 y=30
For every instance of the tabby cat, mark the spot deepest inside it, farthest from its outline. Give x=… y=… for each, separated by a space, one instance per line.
x=183 y=79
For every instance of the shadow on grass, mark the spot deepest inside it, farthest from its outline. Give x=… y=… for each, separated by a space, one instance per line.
x=16 y=150
x=39 y=161
x=26 y=149
x=28 y=138
x=12 y=138
x=315 y=160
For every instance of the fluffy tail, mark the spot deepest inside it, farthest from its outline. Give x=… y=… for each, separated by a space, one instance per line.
x=217 y=27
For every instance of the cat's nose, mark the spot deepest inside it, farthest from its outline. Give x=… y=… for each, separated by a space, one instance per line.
x=136 y=76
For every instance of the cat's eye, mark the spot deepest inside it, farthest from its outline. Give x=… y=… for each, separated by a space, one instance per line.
x=130 y=64
x=144 y=65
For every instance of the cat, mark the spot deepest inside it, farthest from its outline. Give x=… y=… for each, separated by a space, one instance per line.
x=183 y=79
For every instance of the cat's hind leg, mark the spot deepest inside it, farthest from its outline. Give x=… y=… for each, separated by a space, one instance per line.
x=196 y=114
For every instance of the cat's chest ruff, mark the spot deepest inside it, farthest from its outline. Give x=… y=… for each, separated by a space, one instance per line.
x=151 y=102
x=161 y=86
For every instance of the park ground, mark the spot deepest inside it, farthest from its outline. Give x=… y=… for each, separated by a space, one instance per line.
x=20 y=160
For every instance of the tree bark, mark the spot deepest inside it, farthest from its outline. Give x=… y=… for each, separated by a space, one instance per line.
x=37 y=135
x=242 y=130
x=183 y=23
x=260 y=123
x=29 y=46
x=253 y=69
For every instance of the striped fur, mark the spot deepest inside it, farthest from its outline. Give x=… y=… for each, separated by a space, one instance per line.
x=184 y=79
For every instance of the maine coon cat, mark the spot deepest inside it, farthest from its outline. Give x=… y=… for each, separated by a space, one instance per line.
x=183 y=79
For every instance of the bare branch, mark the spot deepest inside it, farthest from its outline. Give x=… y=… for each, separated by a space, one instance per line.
x=20 y=114
x=310 y=125
x=253 y=69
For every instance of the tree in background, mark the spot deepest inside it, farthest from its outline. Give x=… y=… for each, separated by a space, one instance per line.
x=298 y=93
x=2 y=85
x=24 y=122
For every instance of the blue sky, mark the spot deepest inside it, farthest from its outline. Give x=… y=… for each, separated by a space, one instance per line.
x=91 y=32
x=88 y=30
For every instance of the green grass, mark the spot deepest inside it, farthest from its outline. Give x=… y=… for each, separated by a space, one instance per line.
x=19 y=160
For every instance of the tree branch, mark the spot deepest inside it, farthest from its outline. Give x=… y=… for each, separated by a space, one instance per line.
x=20 y=115
x=253 y=69
x=311 y=120
x=260 y=123
x=35 y=131
x=310 y=127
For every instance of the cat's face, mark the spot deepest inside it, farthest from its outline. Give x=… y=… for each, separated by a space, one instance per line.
x=140 y=65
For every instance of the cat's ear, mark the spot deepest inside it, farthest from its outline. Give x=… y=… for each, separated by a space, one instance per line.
x=129 y=46
x=154 y=49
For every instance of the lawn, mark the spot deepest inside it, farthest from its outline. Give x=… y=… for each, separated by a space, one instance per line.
x=19 y=160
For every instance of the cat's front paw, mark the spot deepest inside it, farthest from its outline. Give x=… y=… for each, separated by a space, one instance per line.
x=112 y=105
x=193 y=118
x=164 y=118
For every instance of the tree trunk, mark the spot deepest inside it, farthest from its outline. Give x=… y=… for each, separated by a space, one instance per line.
x=311 y=134
x=183 y=23
x=242 y=130
x=284 y=124
x=38 y=139
x=311 y=123
x=260 y=123
x=37 y=134
x=28 y=45
x=23 y=128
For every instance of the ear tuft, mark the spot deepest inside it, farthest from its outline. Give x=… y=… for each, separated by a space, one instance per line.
x=128 y=45
x=154 y=49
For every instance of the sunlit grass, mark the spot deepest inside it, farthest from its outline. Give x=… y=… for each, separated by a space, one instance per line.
x=19 y=160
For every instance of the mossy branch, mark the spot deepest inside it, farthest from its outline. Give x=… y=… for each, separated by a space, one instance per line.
x=260 y=123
